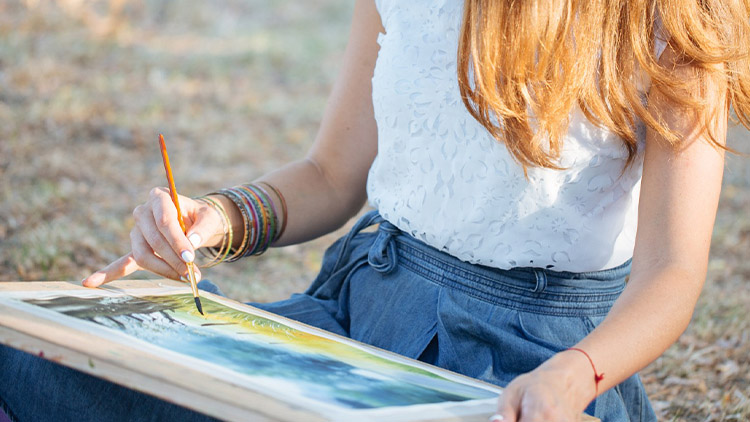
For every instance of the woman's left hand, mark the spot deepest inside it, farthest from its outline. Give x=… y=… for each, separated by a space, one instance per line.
x=558 y=390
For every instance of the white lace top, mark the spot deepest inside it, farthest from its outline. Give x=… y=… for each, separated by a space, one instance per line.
x=442 y=178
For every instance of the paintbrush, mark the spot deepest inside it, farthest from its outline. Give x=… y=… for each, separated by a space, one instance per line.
x=173 y=194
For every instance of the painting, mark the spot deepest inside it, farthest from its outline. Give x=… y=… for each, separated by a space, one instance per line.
x=324 y=373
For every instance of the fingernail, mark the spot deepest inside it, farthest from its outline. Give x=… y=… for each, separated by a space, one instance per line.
x=90 y=281
x=197 y=276
x=187 y=256
x=183 y=278
x=195 y=240
x=496 y=418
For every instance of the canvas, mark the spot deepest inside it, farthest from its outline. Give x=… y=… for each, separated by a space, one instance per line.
x=272 y=367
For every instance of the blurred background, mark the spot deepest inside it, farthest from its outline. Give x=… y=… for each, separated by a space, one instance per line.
x=238 y=88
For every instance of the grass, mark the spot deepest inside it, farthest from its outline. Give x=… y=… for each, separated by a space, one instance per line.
x=238 y=88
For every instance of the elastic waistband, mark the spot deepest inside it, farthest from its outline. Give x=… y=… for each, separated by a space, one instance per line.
x=536 y=290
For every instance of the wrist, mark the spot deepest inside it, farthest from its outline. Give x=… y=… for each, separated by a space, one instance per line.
x=577 y=375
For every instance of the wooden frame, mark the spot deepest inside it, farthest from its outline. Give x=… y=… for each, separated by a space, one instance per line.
x=182 y=381
x=171 y=379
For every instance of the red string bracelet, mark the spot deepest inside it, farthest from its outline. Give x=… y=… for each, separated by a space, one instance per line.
x=597 y=376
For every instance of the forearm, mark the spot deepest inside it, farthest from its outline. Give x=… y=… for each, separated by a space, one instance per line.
x=650 y=315
x=679 y=197
x=315 y=206
x=327 y=188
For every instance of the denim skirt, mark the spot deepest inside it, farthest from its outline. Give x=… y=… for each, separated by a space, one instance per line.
x=387 y=289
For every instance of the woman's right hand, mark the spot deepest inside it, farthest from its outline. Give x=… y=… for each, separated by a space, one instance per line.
x=325 y=189
x=157 y=241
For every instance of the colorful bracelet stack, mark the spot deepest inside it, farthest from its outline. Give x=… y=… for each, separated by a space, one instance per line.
x=261 y=223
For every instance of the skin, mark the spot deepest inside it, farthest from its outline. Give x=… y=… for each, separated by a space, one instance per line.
x=679 y=197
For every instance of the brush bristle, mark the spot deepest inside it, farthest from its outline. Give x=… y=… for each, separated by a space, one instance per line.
x=198 y=305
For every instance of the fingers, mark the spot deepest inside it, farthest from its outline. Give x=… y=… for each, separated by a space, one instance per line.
x=508 y=407
x=158 y=242
x=165 y=220
x=198 y=275
x=120 y=268
x=524 y=400
x=143 y=252
x=203 y=229
x=207 y=226
x=124 y=266
x=148 y=241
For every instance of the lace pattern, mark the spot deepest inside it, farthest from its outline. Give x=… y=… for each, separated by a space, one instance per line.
x=442 y=178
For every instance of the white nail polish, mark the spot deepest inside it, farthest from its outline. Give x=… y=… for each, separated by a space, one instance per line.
x=195 y=240
x=197 y=276
x=187 y=256
x=183 y=278
x=496 y=418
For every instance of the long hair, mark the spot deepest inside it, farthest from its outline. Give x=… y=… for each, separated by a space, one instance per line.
x=524 y=64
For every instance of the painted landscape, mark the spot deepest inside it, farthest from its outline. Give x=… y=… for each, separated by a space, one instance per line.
x=272 y=355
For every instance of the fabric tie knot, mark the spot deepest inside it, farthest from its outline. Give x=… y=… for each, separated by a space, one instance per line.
x=383 y=255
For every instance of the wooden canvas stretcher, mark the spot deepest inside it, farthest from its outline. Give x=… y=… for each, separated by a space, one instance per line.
x=308 y=374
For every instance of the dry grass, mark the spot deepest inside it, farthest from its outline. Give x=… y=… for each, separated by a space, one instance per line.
x=705 y=376
x=238 y=88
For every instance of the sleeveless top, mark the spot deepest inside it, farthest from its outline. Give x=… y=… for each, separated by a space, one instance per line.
x=442 y=178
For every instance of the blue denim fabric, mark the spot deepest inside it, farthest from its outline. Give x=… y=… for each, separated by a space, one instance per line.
x=390 y=290
x=386 y=289
x=35 y=389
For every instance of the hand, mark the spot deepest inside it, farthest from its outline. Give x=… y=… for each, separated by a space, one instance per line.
x=157 y=241
x=558 y=390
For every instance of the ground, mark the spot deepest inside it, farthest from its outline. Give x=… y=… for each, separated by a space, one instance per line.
x=238 y=88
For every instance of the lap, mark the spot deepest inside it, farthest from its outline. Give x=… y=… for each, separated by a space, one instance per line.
x=394 y=294
x=35 y=389
x=389 y=291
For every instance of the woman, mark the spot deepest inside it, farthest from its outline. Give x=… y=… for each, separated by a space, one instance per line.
x=518 y=155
